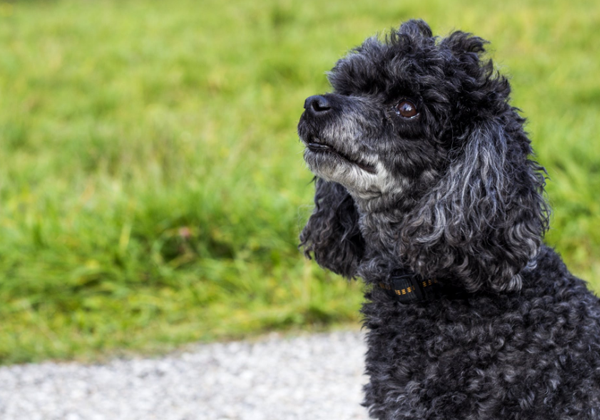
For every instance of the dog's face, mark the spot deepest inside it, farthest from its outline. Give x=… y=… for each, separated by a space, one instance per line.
x=395 y=115
x=419 y=146
x=373 y=143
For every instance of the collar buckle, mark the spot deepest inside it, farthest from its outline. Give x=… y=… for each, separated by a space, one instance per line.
x=410 y=287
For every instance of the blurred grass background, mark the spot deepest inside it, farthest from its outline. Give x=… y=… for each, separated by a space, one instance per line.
x=152 y=185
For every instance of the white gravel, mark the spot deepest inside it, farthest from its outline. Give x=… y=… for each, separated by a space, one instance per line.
x=310 y=377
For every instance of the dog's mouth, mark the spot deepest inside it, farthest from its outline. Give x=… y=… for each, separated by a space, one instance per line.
x=316 y=146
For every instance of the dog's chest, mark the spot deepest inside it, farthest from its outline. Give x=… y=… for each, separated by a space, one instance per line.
x=462 y=357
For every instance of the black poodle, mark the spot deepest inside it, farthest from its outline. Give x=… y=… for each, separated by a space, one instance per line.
x=425 y=189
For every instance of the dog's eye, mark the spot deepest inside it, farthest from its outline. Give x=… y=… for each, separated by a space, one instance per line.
x=407 y=109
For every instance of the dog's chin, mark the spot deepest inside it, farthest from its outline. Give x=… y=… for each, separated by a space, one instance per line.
x=320 y=153
x=330 y=166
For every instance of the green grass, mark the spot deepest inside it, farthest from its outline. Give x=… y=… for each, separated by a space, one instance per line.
x=151 y=181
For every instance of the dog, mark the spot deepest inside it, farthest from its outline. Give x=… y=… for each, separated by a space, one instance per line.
x=426 y=189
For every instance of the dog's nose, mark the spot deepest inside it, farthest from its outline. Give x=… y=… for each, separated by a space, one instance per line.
x=317 y=105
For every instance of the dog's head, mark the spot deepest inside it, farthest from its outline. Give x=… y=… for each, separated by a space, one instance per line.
x=418 y=131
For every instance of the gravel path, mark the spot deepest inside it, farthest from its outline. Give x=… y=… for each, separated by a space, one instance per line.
x=310 y=377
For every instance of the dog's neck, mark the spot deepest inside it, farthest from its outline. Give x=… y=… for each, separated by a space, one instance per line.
x=380 y=222
x=379 y=226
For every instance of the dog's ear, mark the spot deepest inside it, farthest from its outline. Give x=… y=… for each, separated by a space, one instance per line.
x=484 y=221
x=332 y=233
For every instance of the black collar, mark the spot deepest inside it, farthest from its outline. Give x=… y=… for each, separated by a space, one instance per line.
x=406 y=286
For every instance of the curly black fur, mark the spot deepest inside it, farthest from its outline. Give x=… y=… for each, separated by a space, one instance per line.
x=449 y=193
x=334 y=238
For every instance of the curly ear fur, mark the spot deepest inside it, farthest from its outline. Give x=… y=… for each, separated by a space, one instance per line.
x=485 y=219
x=331 y=234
